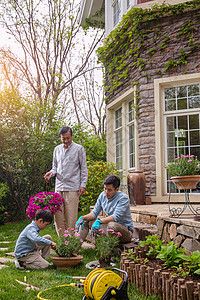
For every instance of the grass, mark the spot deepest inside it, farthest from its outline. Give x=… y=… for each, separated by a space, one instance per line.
x=10 y=289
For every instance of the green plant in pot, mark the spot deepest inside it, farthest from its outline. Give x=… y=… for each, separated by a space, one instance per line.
x=106 y=244
x=67 y=247
x=185 y=171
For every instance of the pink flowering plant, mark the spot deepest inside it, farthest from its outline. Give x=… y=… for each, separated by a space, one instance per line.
x=45 y=200
x=106 y=243
x=184 y=165
x=68 y=243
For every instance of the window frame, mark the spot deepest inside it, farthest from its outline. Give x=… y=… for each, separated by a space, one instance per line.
x=160 y=141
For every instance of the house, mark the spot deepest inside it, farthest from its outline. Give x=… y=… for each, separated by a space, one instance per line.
x=151 y=56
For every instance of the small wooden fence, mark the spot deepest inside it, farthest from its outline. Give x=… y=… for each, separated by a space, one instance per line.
x=156 y=282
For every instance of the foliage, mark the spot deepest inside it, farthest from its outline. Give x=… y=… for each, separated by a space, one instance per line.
x=193 y=262
x=97 y=172
x=26 y=149
x=184 y=165
x=132 y=255
x=106 y=243
x=95 y=145
x=68 y=243
x=154 y=244
x=44 y=200
x=171 y=254
x=3 y=193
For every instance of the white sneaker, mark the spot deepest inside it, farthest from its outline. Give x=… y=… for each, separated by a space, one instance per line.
x=19 y=264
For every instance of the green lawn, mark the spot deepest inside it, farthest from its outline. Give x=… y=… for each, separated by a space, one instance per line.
x=10 y=289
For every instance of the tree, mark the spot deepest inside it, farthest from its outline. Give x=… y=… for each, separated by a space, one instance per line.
x=47 y=34
x=87 y=97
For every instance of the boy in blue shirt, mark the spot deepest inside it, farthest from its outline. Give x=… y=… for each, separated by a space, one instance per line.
x=29 y=243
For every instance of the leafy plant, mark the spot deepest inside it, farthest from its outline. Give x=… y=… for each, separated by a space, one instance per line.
x=44 y=200
x=184 y=165
x=171 y=255
x=193 y=262
x=68 y=243
x=106 y=243
x=97 y=172
x=154 y=244
x=131 y=255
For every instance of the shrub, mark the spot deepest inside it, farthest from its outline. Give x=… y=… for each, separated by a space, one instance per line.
x=97 y=172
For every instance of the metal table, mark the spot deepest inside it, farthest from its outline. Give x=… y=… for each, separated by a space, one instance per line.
x=177 y=212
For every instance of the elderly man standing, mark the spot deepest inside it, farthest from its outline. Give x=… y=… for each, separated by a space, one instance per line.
x=70 y=168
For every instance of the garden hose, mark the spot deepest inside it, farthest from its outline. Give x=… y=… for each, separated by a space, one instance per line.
x=100 y=284
x=58 y=286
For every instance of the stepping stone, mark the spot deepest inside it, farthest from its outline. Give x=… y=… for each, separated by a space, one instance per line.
x=5 y=242
x=10 y=254
x=3 y=249
x=87 y=246
x=4 y=260
x=3 y=266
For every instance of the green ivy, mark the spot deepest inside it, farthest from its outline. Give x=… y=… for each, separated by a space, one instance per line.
x=127 y=42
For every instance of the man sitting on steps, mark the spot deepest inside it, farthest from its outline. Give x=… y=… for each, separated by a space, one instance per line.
x=116 y=206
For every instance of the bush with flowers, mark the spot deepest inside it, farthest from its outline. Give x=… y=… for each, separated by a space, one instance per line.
x=68 y=243
x=106 y=244
x=44 y=200
x=97 y=172
x=184 y=165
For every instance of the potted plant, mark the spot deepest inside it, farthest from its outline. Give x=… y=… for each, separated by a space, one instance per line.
x=44 y=200
x=185 y=171
x=106 y=244
x=67 y=246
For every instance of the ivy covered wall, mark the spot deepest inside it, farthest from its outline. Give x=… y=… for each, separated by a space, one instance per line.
x=149 y=44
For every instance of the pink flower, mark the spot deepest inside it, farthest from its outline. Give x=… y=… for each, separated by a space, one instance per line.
x=66 y=231
x=65 y=235
x=77 y=234
x=81 y=241
x=59 y=229
x=66 y=243
x=119 y=234
x=189 y=160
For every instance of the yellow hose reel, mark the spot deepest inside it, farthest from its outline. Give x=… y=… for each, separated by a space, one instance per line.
x=103 y=284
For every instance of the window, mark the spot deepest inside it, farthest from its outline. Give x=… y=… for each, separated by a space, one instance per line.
x=116 y=11
x=118 y=138
x=131 y=136
x=182 y=121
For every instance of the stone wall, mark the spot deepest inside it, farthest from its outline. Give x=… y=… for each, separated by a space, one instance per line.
x=185 y=233
x=165 y=28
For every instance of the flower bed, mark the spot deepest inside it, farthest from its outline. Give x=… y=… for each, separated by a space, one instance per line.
x=151 y=275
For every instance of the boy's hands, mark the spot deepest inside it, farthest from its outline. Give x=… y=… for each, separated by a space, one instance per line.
x=53 y=245
x=36 y=247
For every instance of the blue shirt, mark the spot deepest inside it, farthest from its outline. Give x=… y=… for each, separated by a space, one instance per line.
x=27 y=240
x=70 y=167
x=118 y=207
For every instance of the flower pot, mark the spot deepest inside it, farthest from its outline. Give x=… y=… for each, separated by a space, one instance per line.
x=186 y=182
x=136 y=187
x=66 y=262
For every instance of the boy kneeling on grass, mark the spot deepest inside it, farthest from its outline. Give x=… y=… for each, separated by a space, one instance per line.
x=29 y=243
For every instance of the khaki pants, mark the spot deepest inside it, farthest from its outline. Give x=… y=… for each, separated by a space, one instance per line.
x=68 y=217
x=126 y=234
x=35 y=260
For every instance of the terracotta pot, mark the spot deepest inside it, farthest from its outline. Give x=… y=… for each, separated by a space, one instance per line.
x=186 y=182
x=136 y=187
x=66 y=262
